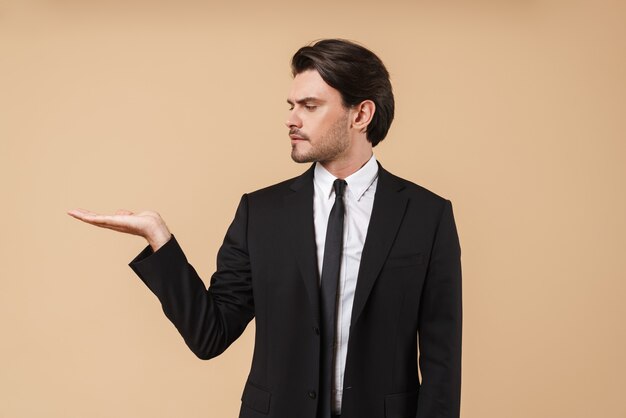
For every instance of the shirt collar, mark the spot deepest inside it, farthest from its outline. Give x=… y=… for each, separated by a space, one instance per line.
x=358 y=182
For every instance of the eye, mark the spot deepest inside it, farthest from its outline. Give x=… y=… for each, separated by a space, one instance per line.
x=310 y=107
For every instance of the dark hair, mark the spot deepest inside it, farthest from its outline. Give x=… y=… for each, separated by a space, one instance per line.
x=357 y=73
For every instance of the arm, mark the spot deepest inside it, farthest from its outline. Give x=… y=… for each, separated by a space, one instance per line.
x=440 y=325
x=208 y=320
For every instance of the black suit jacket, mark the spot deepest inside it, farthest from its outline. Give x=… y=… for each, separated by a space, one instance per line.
x=409 y=285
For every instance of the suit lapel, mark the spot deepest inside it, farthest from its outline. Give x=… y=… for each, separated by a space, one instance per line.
x=299 y=212
x=387 y=213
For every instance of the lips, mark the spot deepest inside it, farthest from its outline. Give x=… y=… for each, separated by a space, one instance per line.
x=296 y=136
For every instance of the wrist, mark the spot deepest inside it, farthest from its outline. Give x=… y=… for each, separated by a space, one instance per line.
x=159 y=238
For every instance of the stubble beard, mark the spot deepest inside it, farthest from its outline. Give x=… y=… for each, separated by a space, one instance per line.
x=334 y=142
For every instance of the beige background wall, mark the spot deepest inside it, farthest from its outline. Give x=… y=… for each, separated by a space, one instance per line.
x=514 y=110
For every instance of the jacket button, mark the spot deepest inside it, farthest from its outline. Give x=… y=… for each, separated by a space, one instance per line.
x=312 y=394
x=317 y=330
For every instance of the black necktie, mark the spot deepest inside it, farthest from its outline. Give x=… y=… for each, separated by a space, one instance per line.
x=328 y=295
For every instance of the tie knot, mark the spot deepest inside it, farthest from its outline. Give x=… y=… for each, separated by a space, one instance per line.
x=340 y=186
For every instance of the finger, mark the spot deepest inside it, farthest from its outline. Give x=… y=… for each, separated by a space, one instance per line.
x=120 y=221
x=85 y=211
x=80 y=213
x=93 y=217
x=123 y=212
x=108 y=220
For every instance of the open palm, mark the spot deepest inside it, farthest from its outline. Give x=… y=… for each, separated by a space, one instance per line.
x=147 y=224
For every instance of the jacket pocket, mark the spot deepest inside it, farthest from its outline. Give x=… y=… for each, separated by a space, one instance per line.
x=405 y=261
x=401 y=405
x=256 y=398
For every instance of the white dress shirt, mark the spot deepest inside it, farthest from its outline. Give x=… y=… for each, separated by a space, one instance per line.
x=358 y=200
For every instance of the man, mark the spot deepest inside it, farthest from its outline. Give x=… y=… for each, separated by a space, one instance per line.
x=342 y=267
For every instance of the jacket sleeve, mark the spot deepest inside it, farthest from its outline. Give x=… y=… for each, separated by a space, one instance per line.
x=209 y=320
x=440 y=325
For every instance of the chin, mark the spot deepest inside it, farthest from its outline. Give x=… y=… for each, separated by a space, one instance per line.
x=301 y=158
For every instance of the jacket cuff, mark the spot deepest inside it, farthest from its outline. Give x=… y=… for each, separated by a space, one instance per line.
x=152 y=266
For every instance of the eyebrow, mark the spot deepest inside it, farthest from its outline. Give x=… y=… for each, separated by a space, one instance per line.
x=306 y=100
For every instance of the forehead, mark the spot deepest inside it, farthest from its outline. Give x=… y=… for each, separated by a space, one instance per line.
x=309 y=83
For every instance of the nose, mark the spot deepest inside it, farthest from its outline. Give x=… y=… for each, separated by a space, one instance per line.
x=293 y=121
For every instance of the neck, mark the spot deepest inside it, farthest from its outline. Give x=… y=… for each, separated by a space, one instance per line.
x=342 y=168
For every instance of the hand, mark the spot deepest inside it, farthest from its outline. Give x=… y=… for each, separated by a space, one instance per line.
x=147 y=224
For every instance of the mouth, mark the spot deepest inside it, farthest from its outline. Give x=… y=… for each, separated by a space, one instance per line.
x=295 y=135
x=296 y=138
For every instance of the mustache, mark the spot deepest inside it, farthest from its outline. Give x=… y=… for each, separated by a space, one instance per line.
x=297 y=132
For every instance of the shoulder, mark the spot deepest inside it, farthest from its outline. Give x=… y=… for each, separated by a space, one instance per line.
x=423 y=203
x=273 y=190
x=284 y=187
x=411 y=189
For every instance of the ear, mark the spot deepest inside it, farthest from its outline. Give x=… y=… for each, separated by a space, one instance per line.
x=363 y=114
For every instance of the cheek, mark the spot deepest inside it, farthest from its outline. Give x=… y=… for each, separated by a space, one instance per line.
x=317 y=127
x=310 y=128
